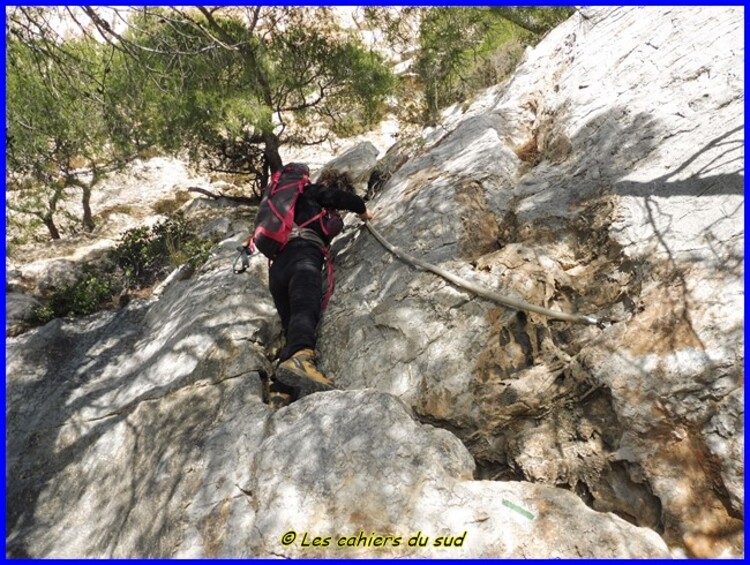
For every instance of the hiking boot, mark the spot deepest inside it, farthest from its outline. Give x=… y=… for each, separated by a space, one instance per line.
x=278 y=400
x=280 y=395
x=300 y=372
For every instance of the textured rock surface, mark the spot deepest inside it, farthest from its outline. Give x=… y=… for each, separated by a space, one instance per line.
x=605 y=177
x=134 y=430
x=345 y=465
x=19 y=312
x=357 y=162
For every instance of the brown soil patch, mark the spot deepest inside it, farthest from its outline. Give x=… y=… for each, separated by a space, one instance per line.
x=529 y=152
x=480 y=227
x=419 y=180
x=696 y=516
x=663 y=326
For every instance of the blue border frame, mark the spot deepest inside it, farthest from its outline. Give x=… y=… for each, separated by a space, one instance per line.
x=342 y=3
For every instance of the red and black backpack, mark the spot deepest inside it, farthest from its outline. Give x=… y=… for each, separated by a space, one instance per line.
x=275 y=218
x=274 y=222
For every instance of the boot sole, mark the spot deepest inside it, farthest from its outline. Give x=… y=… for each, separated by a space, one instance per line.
x=303 y=384
x=279 y=401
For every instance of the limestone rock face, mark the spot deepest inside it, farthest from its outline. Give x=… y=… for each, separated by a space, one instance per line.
x=357 y=162
x=604 y=177
x=130 y=433
x=144 y=433
x=398 y=154
x=19 y=312
x=351 y=474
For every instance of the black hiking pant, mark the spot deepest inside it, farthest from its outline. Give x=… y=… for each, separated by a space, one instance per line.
x=296 y=284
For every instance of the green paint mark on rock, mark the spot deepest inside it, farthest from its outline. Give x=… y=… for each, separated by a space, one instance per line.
x=521 y=511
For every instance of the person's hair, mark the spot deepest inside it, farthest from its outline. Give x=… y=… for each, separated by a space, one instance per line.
x=336 y=179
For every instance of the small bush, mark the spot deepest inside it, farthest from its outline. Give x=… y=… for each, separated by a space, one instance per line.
x=88 y=294
x=145 y=255
x=44 y=313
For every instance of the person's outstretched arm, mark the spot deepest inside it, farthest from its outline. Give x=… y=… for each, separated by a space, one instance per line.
x=339 y=200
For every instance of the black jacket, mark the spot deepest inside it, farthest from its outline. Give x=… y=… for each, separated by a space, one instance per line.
x=318 y=196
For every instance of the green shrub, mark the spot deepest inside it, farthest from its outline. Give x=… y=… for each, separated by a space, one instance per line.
x=44 y=313
x=147 y=254
x=143 y=257
x=88 y=294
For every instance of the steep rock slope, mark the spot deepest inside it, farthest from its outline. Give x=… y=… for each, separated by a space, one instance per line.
x=605 y=177
x=144 y=432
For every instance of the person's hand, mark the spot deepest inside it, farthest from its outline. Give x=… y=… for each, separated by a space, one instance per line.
x=365 y=216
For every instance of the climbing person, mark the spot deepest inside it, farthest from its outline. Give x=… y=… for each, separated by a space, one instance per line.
x=295 y=276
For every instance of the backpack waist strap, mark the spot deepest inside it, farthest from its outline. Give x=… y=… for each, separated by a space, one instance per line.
x=307 y=234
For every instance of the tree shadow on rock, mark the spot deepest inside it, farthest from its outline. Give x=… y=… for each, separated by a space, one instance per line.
x=103 y=438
